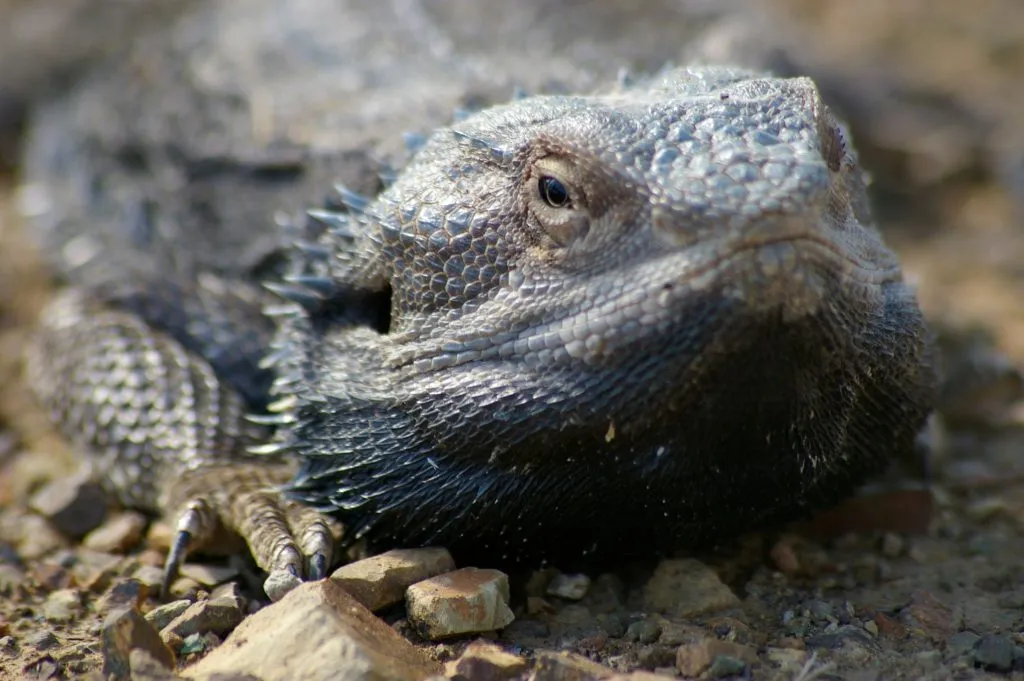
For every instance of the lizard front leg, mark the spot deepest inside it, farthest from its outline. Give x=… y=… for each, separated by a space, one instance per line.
x=166 y=434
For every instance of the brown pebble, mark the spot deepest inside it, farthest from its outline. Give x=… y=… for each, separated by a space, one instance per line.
x=126 y=629
x=124 y=593
x=119 y=534
x=380 y=581
x=693 y=659
x=928 y=616
x=888 y=627
x=485 y=662
x=38 y=538
x=51 y=576
x=160 y=537
x=74 y=505
x=785 y=557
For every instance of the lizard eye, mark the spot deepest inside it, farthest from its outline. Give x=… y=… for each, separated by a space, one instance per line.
x=553 y=192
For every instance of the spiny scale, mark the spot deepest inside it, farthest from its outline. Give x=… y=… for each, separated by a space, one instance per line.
x=306 y=298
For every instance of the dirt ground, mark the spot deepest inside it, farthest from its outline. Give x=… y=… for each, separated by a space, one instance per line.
x=931 y=583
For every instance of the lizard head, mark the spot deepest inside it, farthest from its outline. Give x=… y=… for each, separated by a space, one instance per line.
x=584 y=229
x=612 y=306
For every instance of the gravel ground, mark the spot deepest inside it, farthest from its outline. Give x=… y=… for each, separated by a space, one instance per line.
x=906 y=581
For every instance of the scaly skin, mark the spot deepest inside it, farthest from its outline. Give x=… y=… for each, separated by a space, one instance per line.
x=573 y=329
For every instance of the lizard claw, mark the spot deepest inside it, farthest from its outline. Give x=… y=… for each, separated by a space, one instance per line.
x=287 y=540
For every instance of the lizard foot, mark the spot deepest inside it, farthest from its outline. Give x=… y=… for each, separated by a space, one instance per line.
x=289 y=541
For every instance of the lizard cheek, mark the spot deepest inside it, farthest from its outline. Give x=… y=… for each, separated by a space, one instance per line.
x=669 y=229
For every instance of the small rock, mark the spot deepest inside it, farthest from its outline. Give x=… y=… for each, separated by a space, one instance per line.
x=125 y=630
x=125 y=593
x=150 y=576
x=232 y=592
x=526 y=633
x=994 y=653
x=208 y=575
x=839 y=637
x=687 y=588
x=784 y=556
x=535 y=605
x=380 y=581
x=194 y=644
x=280 y=583
x=42 y=640
x=118 y=534
x=50 y=575
x=928 y=660
x=10 y=579
x=888 y=627
x=726 y=665
x=313 y=624
x=607 y=594
x=677 y=633
x=612 y=624
x=483 y=661
x=566 y=666
x=186 y=587
x=961 y=643
x=928 y=616
x=219 y=615
x=96 y=570
x=819 y=610
x=145 y=667
x=654 y=656
x=643 y=631
x=74 y=505
x=892 y=545
x=160 y=536
x=162 y=615
x=570 y=587
x=38 y=538
x=8 y=646
x=465 y=601
x=871 y=628
x=62 y=605
x=693 y=659
x=788 y=660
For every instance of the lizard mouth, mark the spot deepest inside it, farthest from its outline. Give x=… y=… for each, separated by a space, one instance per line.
x=793 y=273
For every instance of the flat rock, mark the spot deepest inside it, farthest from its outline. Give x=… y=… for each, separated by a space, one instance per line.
x=482 y=661
x=929 y=617
x=566 y=666
x=208 y=575
x=164 y=614
x=125 y=592
x=279 y=583
x=126 y=630
x=38 y=537
x=465 y=601
x=687 y=588
x=145 y=667
x=317 y=632
x=693 y=659
x=381 y=580
x=995 y=653
x=63 y=605
x=570 y=587
x=118 y=534
x=74 y=505
x=216 y=615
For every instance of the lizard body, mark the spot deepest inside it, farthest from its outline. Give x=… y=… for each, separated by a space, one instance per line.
x=573 y=327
